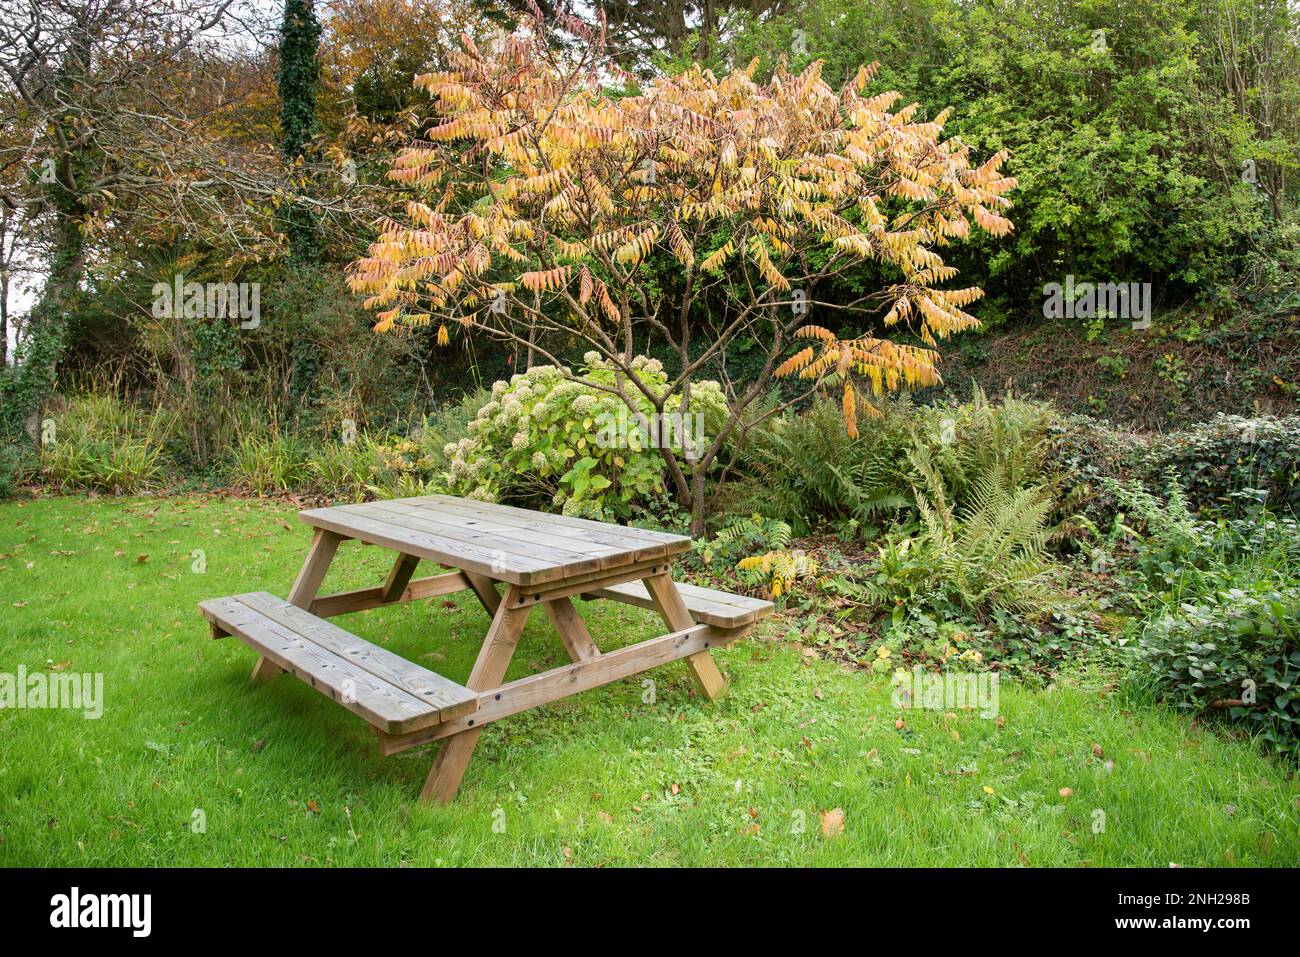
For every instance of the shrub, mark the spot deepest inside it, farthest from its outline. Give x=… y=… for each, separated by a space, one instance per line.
x=1233 y=654
x=446 y=426
x=1230 y=463
x=548 y=440
x=1231 y=453
x=342 y=469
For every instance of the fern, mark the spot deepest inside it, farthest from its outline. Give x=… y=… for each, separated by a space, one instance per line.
x=991 y=555
x=778 y=571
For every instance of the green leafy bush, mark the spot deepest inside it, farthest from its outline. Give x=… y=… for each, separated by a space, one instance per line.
x=1234 y=654
x=1232 y=464
x=1231 y=453
x=551 y=441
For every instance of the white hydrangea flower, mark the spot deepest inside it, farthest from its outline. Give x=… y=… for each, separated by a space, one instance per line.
x=539 y=409
x=539 y=460
x=584 y=404
x=499 y=387
x=591 y=357
x=449 y=449
x=519 y=441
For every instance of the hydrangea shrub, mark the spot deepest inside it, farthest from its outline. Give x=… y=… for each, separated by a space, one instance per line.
x=552 y=440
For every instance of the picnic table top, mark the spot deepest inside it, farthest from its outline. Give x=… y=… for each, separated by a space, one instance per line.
x=508 y=544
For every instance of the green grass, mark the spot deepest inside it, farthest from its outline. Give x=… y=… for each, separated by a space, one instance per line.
x=284 y=776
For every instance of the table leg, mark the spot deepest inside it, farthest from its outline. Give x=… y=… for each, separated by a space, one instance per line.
x=493 y=659
x=319 y=555
x=673 y=611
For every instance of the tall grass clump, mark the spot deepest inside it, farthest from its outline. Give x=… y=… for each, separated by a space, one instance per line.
x=96 y=440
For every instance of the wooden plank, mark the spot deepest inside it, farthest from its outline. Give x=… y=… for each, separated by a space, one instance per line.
x=533 y=538
x=449 y=698
x=532 y=522
x=534 y=594
x=465 y=556
x=705 y=604
x=387 y=707
x=571 y=629
x=363 y=599
x=673 y=611
x=673 y=542
x=501 y=548
x=494 y=658
x=534 y=690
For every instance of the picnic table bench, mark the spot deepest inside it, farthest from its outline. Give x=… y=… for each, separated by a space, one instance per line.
x=513 y=560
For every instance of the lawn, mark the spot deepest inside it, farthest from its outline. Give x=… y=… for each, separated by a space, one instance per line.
x=799 y=764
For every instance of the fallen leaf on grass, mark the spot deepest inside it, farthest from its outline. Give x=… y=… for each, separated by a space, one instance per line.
x=833 y=822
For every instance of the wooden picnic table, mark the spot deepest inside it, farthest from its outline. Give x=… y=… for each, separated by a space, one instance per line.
x=512 y=559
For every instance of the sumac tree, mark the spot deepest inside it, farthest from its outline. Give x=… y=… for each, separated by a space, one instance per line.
x=550 y=206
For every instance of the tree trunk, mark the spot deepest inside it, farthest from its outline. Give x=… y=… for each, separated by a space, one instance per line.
x=298 y=78
x=698 y=528
x=25 y=388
